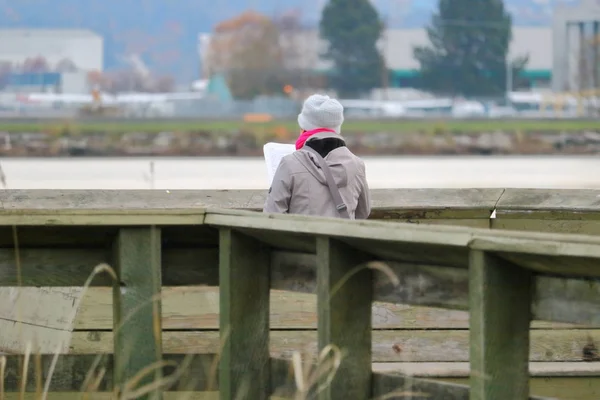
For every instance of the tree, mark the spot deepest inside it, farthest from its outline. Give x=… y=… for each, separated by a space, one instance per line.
x=247 y=50
x=352 y=29
x=468 y=50
x=35 y=65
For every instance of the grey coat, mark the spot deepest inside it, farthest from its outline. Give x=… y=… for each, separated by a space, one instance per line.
x=299 y=186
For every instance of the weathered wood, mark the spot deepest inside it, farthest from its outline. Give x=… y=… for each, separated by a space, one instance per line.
x=571 y=388
x=435 y=202
x=388 y=345
x=41 y=318
x=70 y=372
x=556 y=299
x=542 y=210
x=344 y=297
x=564 y=204
x=443 y=245
x=197 y=307
x=499 y=328
x=528 y=223
x=402 y=204
x=136 y=305
x=433 y=370
x=409 y=387
x=102 y=237
x=467 y=222
x=244 y=265
x=73 y=266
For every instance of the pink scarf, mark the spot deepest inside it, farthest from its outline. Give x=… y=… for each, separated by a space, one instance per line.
x=306 y=134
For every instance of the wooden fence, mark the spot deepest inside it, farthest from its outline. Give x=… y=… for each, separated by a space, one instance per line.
x=177 y=242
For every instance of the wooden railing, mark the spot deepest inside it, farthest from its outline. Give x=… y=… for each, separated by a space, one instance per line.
x=153 y=240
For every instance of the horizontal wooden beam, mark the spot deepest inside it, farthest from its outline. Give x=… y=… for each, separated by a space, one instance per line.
x=435 y=370
x=417 y=203
x=565 y=204
x=556 y=299
x=387 y=345
x=386 y=202
x=410 y=387
x=197 y=307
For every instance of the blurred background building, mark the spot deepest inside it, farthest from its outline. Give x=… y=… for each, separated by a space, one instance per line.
x=42 y=60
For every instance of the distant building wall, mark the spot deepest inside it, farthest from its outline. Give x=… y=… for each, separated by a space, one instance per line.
x=48 y=82
x=576 y=29
x=84 y=48
x=397 y=46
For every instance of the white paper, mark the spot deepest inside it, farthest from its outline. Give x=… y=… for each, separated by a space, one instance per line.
x=273 y=153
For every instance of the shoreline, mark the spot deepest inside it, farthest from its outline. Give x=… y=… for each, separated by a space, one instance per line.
x=249 y=144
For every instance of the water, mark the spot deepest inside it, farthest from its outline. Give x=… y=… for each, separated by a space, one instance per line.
x=251 y=173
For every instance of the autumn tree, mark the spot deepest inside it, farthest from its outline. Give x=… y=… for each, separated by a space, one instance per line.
x=247 y=50
x=66 y=65
x=35 y=65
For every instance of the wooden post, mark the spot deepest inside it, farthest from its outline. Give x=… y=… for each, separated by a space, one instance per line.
x=137 y=305
x=500 y=296
x=344 y=310
x=244 y=284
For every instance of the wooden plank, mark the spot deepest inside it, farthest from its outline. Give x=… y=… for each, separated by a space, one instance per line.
x=499 y=297
x=104 y=218
x=386 y=385
x=197 y=307
x=137 y=305
x=394 y=239
x=553 y=203
x=556 y=299
x=73 y=266
x=102 y=237
x=556 y=388
x=13 y=200
x=542 y=369
x=511 y=221
x=409 y=387
x=69 y=374
x=344 y=303
x=392 y=199
x=244 y=266
x=388 y=345
x=467 y=222
x=438 y=286
x=41 y=318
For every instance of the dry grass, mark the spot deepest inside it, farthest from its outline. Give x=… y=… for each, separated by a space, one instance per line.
x=310 y=378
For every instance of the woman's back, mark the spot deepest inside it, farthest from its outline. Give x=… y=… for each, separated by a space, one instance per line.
x=301 y=186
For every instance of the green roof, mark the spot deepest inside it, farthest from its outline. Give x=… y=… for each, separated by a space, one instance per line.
x=529 y=74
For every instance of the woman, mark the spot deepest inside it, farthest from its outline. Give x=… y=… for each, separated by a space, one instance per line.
x=323 y=177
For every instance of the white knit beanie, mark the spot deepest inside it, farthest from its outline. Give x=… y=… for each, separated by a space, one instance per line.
x=321 y=111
